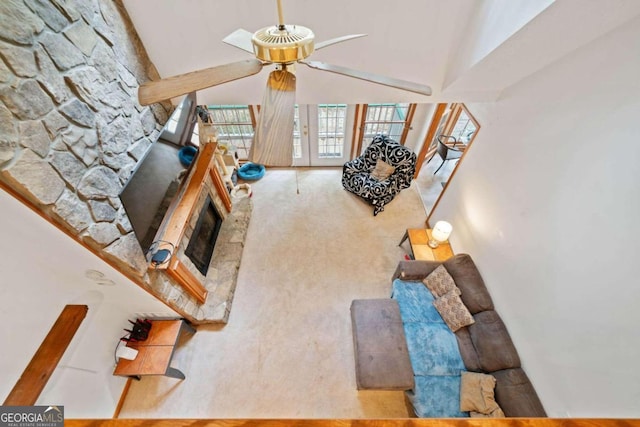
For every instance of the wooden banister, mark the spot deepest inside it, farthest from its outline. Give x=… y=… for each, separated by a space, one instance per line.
x=405 y=422
x=44 y=361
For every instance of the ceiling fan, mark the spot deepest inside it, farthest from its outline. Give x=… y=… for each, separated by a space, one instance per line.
x=283 y=45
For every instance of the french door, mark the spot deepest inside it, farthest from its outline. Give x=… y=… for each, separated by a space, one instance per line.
x=322 y=134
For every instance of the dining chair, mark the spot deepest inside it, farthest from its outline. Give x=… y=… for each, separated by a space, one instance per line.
x=447 y=149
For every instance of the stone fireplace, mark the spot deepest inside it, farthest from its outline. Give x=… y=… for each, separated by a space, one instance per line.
x=202 y=226
x=72 y=132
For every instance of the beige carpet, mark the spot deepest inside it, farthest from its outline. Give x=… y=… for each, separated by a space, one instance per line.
x=287 y=351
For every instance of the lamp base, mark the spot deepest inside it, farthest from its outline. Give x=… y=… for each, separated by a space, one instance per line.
x=433 y=243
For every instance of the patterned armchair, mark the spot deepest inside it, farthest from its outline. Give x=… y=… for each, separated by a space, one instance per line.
x=357 y=174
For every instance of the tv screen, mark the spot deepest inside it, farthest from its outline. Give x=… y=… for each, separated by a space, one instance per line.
x=156 y=178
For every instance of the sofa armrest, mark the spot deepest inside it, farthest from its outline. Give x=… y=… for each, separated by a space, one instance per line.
x=356 y=165
x=414 y=270
x=515 y=394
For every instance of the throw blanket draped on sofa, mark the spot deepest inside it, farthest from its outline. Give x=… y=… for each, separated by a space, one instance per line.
x=434 y=354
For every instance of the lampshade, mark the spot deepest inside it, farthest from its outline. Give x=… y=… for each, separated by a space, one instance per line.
x=440 y=233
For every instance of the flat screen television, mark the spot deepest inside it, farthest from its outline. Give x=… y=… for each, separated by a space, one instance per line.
x=156 y=177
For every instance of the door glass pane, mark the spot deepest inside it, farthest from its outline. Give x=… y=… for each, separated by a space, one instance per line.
x=297 y=147
x=464 y=128
x=331 y=130
x=235 y=130
x=388 y=119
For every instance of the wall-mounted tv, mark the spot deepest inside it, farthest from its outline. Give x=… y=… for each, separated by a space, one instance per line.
x=156 y=178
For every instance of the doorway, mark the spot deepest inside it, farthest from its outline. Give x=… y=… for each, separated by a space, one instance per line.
x=321 y=134
x=455 y=127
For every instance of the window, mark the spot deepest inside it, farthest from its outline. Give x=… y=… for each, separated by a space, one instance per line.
x=172 y=124
x=331 y=130
x=392 y=120
x=235 y=127
x=465 y=128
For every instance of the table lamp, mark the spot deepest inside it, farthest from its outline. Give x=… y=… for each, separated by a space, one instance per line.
x=440 y=233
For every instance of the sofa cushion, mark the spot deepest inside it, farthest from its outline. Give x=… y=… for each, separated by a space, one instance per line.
x=415 y=301
x=467 y=277
x=453 y=311
x=440 y=282
x=493 y=343
x=477 y=394
x=515 y=394
x=467 y=350
x=436 y=396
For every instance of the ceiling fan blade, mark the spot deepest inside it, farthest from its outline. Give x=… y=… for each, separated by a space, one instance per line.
x=337 y=40
x=374 y=78
x=273 y=138
x=241 y=39
x=160 y=90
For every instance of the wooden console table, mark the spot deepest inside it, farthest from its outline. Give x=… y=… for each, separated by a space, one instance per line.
x=155 y=353
x=420 y=250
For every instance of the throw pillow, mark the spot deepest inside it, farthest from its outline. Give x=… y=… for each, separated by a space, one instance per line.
x=382 y=170
x=477 y=395
x=453 y=311
x=440 y=282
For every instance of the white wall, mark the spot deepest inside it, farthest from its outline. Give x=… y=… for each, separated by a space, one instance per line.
x=547 y=202
x=42 y=270
x=493 y=22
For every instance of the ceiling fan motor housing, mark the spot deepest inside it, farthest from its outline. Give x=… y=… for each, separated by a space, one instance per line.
x=283 y=46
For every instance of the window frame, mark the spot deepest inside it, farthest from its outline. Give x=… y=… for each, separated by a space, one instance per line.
x=401 y=136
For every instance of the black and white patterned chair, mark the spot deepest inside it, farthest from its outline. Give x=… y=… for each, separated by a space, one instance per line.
x=357 y=178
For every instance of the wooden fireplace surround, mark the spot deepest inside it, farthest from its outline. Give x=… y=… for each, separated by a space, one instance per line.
x=181 y=209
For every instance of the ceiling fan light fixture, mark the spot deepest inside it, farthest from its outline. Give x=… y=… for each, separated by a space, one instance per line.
x=294 y=43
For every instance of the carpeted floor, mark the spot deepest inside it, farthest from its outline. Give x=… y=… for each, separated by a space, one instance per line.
x=287 y=350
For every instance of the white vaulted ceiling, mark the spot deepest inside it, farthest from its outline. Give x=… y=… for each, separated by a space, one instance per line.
x=465 y=50
x=409 y=40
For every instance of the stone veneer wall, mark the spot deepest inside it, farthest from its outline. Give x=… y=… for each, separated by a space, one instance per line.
x=71 y=129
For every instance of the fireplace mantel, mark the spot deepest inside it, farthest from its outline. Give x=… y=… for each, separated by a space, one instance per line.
x=180 y=212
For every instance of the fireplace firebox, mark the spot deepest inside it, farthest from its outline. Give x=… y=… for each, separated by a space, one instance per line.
x=203 y=240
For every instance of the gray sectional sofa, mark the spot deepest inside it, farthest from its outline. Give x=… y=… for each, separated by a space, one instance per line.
x=485 y=346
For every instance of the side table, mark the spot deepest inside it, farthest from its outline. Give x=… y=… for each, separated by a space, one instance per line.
x=155 y=353
x=419 y=248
